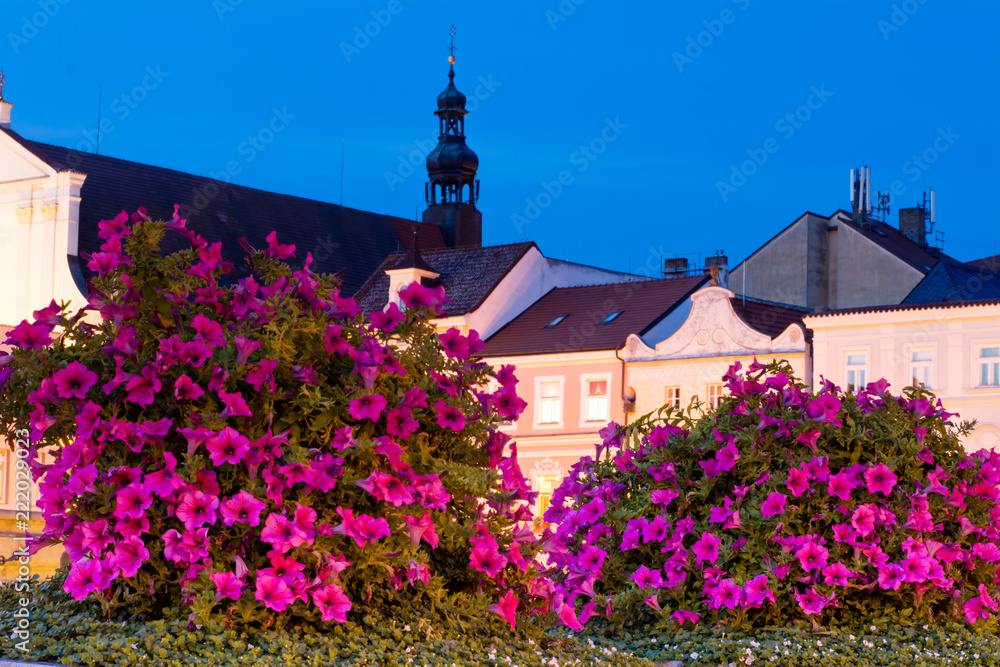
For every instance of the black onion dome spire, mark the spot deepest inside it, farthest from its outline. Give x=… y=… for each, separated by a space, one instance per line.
x=452 y=187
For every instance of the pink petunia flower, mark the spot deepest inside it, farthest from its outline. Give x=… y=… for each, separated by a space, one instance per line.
x=706 y=548
x=282 y=533
x=506 y=608
x=455 y=345
x=486 y=558
x=756 y=591
x=863 y=520
x=727 y=594
x=891 y=576
x=400 y=423
x=262 y=375
x=812 y=556
x=798 y=481
x=388 y=319
x=774 y=505
x=29 y=336
x=837 y=574
x=197 y=508
x=274 y=593
x=369 y=529
x=132 y=501
x=811 y=602
x=229 y=446
x=422 y=529
x=186 y=389
x=74 y=381
x=129 y=556
x=227 y=585
x=644 y=577
x=142 y=388
x=332 y=602
x=880 y=479
x=236 y=406
x=83 y=578
x=682 y=615
x=367 y=407
x=841 y=485
x=449 y=416
x=568 y=617
x=243 y=507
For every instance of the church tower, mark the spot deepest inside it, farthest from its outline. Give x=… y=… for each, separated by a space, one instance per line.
x=452 y=187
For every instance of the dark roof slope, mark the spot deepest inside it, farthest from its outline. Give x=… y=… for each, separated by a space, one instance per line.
x=902 y=307
x=642 y=305
x=338 y=237
x=991 y=263
x=768 y=317
x=469 y=275
x=951 y=281
x=920 y=257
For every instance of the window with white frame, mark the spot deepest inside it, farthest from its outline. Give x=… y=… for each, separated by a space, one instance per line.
x=714 y=395
x=988 y=365
x=595 y=399
x=545 y=485
x=922 y=367
x=673 y=398
x=856 y=370
x=550 y=401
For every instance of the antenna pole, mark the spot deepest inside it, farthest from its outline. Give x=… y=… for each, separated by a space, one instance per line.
x=341 y=172
x=100 y=102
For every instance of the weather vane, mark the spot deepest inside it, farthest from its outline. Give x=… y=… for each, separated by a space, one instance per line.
x=451 y=56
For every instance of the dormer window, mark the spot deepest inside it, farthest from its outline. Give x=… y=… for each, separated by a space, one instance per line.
x=611 y=317
x=554 y=323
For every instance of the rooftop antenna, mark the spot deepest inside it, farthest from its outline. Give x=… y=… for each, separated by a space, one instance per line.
x=341 y=172
x=100 y=101
x=451 y=49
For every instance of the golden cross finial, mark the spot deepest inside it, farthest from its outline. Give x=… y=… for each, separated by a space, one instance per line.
x=3 y=80
x=451 y=49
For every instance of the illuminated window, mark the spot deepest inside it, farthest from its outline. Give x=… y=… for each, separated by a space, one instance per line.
x=545 y=485
x=856 y=371
x=714 y=395
x=550 y=402
x=921 y=367
x=596 y=408
x=989 y=366
x=673 y=398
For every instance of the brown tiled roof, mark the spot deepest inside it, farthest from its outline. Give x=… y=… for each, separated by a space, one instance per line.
x=935 y=305
x=895 y=242
x=991 y=263
x=469 y=275
x=338 y=237
x=643 y=304
x=767 y=317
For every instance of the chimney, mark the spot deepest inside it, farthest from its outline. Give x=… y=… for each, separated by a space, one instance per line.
x=674 y=267
x=5 y=108
x=912 y=224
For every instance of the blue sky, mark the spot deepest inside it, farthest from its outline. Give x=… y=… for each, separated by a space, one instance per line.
x=682 y=93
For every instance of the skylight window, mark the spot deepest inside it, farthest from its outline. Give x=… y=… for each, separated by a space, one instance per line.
x=612 y=317
x=554 y=323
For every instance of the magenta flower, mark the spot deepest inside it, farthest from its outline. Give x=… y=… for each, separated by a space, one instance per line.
x=282 y=534
x=986 y=551
x=227 y=585
x=682 y=615
x=880 y=479
x=486 y=558
x=812 y=556
x=809 y=439
x=388 y=319
x=756 y=591
x=262 y=375
x=83 y=577
x=432 y=493
x=422 y=529
x=186 y=389
x=973 y=609
x=506 y=608
x=400 y=423
x=208 y=330
x=367 y=407
x=343 y=438
x=29 y=336
x=274 y=593
x=448 y=416
x=74 y=381
x=644 y=577
x=837 y=574
x=235 y=405
x=132 y=501
x=841 y=485
x=568 y=617
x=332 y=603
x=129 y=556
x=143 y=387
x=663 y=496
x=798 y=481
x=369 y=529
x=653 y=601
x=863 y=520
x=774 y=505
x=726 y=457
x=229 y=446
x=244 y=348
x=243 y=507
x=824 y=409
x=706 y=548
x=811 y=602
x=891 y=576
x=727 y=594
x=197 y=508
x=172 y=547
x=455 y=345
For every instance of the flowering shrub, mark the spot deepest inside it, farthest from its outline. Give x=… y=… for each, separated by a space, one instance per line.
x=782 y=506
x=260 y=450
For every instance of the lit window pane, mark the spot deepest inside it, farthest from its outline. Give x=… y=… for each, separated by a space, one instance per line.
x=856 y=359
x=989 y=352
x=921 y=355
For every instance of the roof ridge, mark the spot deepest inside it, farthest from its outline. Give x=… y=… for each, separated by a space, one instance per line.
x=631 y=282
x=790 y=306
x=927 y=305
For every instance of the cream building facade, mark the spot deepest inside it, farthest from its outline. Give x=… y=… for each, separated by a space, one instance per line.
x=951 y=347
